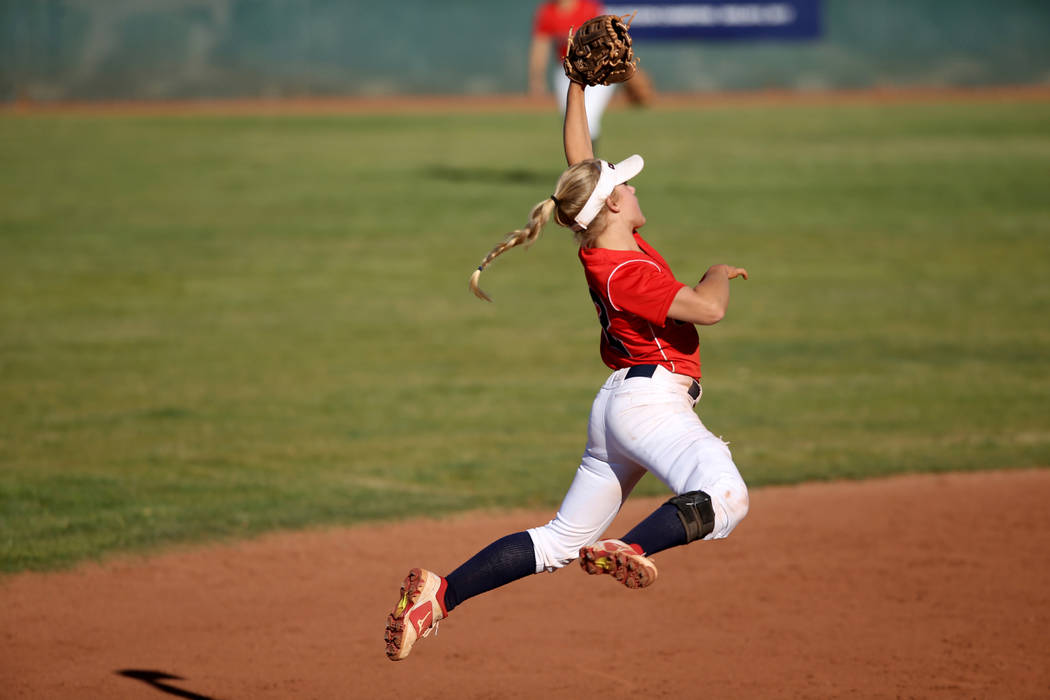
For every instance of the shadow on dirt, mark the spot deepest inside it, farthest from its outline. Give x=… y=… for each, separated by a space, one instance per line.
x=156 y=680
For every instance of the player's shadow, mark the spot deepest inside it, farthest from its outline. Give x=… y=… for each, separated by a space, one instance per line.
x=486 y=175
x=156 y=679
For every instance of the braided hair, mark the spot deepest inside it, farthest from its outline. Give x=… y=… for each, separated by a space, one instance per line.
x=570 y=194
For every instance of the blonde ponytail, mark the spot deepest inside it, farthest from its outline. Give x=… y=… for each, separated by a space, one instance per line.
x=538 y=218
x=574 y=187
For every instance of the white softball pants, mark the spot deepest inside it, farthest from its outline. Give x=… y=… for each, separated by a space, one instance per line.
x=638 y=425
x=595 y=98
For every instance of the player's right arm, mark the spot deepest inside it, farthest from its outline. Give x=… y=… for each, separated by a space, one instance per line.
x=706 y=303
x=539 y=52
x=577 y=135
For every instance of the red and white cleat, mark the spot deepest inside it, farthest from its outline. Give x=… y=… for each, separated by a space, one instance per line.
x=624 y=562
x=417 y=613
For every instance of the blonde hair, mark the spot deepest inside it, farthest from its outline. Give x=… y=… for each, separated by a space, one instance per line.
x=570 y=194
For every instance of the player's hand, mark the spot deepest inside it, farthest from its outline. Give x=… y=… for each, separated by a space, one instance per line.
x=734 y=272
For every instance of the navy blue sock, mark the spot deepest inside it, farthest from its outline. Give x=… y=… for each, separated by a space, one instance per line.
x=661 y=530
x=507 y=559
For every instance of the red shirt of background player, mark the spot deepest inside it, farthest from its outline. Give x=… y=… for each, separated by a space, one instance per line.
x=632 y=293
x=555 y=21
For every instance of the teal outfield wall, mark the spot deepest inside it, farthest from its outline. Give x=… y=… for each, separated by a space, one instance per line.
x=119 y=49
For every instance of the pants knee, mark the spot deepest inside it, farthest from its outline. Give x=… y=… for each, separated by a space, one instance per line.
x=555 y=549
x=731 y=504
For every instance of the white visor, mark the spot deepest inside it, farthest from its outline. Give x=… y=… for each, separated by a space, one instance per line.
x=612 y=175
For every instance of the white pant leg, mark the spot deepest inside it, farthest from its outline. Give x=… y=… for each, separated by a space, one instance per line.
x=651 y=421
x=596 y=98
x=592 y=501
x=637 y=425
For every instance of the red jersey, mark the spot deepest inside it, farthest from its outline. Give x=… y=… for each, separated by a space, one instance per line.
x=632 y=293
x=552 y=22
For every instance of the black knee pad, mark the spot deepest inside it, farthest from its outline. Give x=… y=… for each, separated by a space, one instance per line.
x=696 y=513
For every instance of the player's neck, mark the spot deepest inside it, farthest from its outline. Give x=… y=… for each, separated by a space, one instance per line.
x=617 y=238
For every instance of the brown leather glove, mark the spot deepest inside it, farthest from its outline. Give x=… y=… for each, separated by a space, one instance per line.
x=600 y=52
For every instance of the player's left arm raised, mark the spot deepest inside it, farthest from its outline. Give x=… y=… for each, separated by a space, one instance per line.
x=576 y=135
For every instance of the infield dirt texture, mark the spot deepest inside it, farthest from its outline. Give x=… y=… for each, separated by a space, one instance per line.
x=914 y=586
x=910 y=587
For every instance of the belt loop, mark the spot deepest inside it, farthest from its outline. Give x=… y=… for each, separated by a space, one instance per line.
x=695 y=390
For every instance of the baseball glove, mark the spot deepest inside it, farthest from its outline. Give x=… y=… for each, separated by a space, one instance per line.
x=600 y=51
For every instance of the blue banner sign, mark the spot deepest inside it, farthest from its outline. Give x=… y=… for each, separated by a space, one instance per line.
x=721 y=19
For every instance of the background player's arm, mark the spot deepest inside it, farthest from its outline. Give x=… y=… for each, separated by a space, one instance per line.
x=576 y=134
x=706 y=303
x=539 y=52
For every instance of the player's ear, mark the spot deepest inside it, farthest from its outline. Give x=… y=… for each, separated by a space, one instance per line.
x=612 y=202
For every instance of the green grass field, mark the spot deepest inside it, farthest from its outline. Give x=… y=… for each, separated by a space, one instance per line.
x=211 y=327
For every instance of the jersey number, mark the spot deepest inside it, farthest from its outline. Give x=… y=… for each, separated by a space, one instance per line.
x=603 y=318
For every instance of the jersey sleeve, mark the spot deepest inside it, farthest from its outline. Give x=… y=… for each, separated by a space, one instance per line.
x=543 y=23
x=643 y=288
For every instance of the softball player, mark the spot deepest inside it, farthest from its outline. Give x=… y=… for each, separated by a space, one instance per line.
x=550 y=29
x=642 y=418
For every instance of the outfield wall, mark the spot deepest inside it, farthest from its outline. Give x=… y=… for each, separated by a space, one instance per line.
x=171 y=49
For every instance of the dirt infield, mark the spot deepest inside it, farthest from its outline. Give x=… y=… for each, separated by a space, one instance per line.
x=915 y=586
